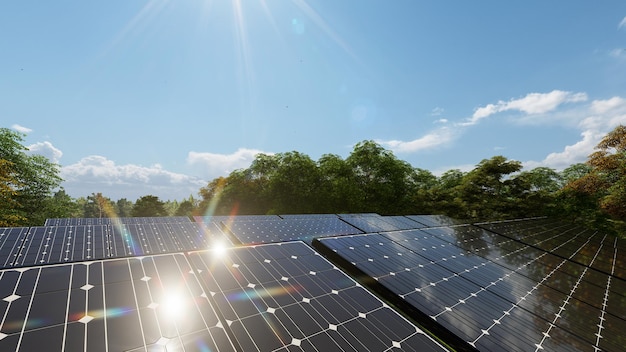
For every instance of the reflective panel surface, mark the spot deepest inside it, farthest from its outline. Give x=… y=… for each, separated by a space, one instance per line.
x=546 y=287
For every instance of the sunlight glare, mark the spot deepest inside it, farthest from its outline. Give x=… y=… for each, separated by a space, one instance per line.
x=173 y=304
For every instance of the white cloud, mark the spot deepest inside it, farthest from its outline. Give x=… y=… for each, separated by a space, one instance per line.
x=46 y=149
x=618 y=53
x=437 y=111
x=441 y=121
x=214 y=165
x=21 y=129
x=605 y=106
x=93 y=174
x=602 y=117
x=433 y=139
x=622 y=24
x=532 y=103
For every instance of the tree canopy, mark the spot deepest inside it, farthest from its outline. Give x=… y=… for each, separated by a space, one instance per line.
x=370 y=179
x=27 y=182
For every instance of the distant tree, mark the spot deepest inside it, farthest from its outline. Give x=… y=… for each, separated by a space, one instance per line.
x=381 y=177
x=423 y=182
x=149 y=206
x=99 y=206
x=605 y=183
x=124 y=208
x=29 y=180
x=170 y=207
x=574 y=172
x=294 y=184
x=9 y=211
x=338 y=191
x=185 y=208
x=486 y=190
x=534 y=192
x=61 y=205
x=445 y=195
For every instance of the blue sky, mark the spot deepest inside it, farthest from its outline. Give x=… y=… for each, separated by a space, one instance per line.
x=160 y=96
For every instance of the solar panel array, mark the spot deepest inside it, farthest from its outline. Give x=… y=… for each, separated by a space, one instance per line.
x=64 y=244
x=277 y=297
x=255 y=229
x=138 y=284
x=519 y=286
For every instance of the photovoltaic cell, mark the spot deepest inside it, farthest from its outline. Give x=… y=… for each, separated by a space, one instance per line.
x=494 y=292
x=115 y=220
x=134 y=304
x=285 y=297
x=64 y=244
x=522 y=285
x=288 y=229
x=434 y=220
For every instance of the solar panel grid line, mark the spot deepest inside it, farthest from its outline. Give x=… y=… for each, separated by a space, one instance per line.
x=288 y=274
x=555 y=269
x=409 y=310
x=527 y=263
x=560 y=247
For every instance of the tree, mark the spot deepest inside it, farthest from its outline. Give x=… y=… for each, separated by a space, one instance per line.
x=338 y=191
x=61 y=205
x=605 y=183
x=29 y=179
x=124 y=208
x=534 y=192
x=187 y=207
x=149 y=206
x=381 y=177
x=99 y=206
x=445 y=195
x=485 y=192
x=293 y=184
x=9 y=216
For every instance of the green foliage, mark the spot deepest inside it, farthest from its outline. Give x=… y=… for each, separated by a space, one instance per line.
x=124 y=207
x=27 y=182
x=149 y=206
x=99 y=206
x=598 y=196
x=383 y=180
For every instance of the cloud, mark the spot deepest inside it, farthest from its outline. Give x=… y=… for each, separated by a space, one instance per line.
x=622 y=24
x=618 y=53
x=21 y=129
x=214 y=165
x=437 y=111
x=441 y=121
x=93 y=174
x=532 y=103
x=602 y=116
x=46 y=149
x=431 y=140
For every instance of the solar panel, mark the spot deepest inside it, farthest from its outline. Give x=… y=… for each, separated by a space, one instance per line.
x=288 y=229
x=63 y=244
x=279 y=297
x=115 y=220
x=284 y=297
x=434 y=220
x=107 y=284
x=494 y=292
x=134 y=304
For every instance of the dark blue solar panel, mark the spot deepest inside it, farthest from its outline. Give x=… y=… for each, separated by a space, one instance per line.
x=285 y=297
x=288 y=229
x=434 y=220
x=494 y=292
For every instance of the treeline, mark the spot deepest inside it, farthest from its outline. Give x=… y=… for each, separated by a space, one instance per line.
x=370 y=179
x=373 y=179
